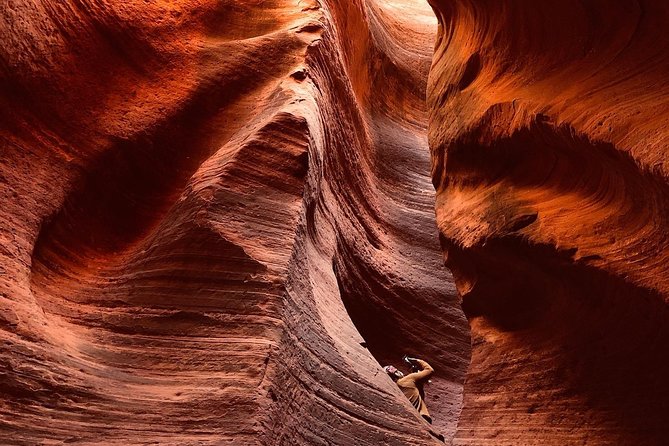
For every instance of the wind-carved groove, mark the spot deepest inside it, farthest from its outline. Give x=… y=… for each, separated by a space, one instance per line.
x=585 y=327
x=131 y=186
x=471 y=71
x=102 y=241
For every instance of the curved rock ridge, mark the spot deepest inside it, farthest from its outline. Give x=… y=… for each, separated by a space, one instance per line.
x=217 y=220
x=548 y=135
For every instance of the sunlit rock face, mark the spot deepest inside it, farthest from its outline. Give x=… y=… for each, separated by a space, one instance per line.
x=217 y=219
x=548 y=133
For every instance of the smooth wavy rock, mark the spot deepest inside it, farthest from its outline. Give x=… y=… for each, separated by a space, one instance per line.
x=548 y=132
x=217 y=219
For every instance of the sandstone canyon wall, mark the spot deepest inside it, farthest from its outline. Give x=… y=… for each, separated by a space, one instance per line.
x=548 y=131
x=217 y=219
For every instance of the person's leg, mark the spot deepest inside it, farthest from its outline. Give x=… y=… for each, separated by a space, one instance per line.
x=437 y=435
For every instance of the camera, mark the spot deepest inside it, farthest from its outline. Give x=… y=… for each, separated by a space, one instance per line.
x=411 y=361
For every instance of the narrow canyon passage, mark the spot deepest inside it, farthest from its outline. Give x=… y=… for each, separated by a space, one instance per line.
x=217 y=221
x=215 y=228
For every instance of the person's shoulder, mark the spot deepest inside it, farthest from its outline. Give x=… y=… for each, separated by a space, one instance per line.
x=406 y=381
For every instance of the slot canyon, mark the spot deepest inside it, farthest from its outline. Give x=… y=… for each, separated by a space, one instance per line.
x=220 y=218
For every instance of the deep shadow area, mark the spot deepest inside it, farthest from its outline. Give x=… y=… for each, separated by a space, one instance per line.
x=597 y=340
x=549 y=156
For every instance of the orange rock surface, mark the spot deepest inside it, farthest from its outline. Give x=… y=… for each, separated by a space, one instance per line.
x=548 y=132
x=217 y=219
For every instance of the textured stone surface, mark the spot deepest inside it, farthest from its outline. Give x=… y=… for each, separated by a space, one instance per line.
x=548 y=130
x=206 y=206
x=216 y=220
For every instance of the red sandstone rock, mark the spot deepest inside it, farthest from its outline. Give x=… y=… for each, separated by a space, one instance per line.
x=548 y=130
x=207 y=206
x=217 y=221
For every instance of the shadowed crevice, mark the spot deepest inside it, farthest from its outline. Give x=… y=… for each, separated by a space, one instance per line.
x=598 y=342
x=392 y=324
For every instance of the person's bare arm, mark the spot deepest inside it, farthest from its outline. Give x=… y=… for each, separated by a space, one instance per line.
x=425 y=373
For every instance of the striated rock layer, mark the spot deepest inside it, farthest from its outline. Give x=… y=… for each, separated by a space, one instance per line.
x=548 y=132
x=216 y=221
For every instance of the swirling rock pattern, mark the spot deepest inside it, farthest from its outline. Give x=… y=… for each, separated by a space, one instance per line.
x=548 y=132
x=217 y=218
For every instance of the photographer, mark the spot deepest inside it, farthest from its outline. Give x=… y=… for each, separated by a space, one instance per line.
x=412 y=384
